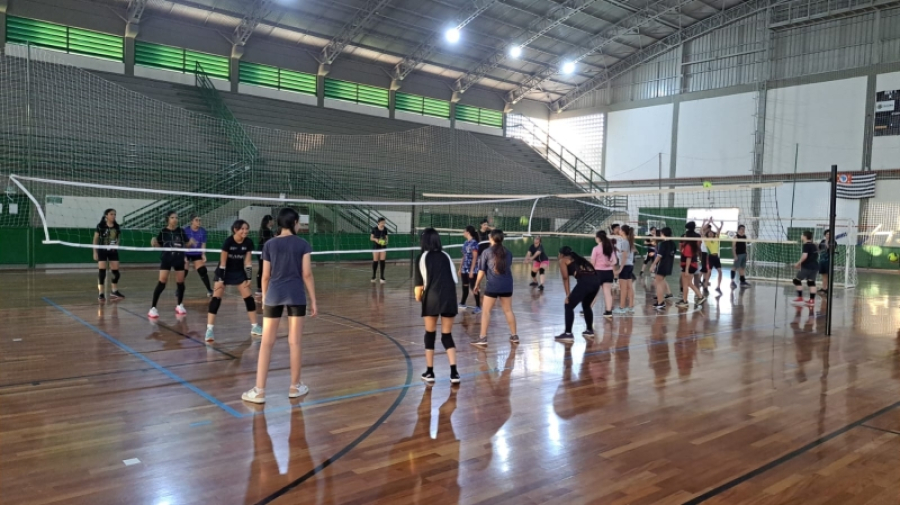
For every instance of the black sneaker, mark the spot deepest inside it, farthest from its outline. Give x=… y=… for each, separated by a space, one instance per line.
x=719 y=290
x=541 y=287
x=682 y=304
x=587 y=334
x=668 y=296
x=533 y=284
x=116 y=294
x=733 y=285
x=429 y=376
x=565 y=337
x=608 y=314
x=659 y=306
x=101 y=298
x=699 y=301
x=454 y=378
x=745 y=284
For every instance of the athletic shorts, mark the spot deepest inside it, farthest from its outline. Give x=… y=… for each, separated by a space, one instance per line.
x=713 y=262
x=704 y=262
x=807 y=274
x=606 y=276
x=689 y=268
x=540 y=264
x=378 y=247
x=627 y=272
x=235 y=278
x=651 y=255
x=193 y=257
x=107 y=255
x=171 y=261
x=275 y=311
x=740 y=261
x=664 y=269
x=490 y=294
x=823 y=268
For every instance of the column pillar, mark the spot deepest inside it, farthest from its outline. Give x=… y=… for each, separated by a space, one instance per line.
x=131 y=32
x=4 y=4
x=234 y=66
x=320 y=83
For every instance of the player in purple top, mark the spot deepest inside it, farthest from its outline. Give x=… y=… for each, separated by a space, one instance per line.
x=197 y=257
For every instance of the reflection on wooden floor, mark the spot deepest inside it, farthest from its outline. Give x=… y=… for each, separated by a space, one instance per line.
x=744 y=401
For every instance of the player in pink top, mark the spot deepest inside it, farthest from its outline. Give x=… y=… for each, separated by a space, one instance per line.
x=604 y=259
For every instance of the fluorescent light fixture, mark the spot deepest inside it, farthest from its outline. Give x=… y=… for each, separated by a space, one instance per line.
x=515 y=51
x=568 y=67
x=452 y=35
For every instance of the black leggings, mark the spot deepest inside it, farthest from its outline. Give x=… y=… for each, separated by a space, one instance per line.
x=584 y=293
x=467 y=284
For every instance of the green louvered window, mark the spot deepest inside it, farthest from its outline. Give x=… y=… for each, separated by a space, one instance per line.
x=422 y=105
x=179 y=60
x=353 y=92
x=278 y=78
x=63 y=38
x=485 y=117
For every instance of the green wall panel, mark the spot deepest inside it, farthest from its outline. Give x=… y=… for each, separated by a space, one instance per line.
x=63 y=38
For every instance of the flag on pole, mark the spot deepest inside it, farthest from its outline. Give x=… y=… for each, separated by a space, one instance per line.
x=856 y=186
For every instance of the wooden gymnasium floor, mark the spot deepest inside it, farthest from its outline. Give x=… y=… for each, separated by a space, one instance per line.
x=744 y=402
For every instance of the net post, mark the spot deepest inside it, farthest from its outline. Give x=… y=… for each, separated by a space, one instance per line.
x=832 y=216
x=412 y=231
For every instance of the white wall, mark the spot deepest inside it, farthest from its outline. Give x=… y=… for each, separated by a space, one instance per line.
x=160 y=74
x=59 y=57
x=86 y=211
x=826 y=119
x=811 y=201
x=277 y=94
x=358 y=108
x=421 y=118
x=886 y=150
x=634 y=139
x=715 y=136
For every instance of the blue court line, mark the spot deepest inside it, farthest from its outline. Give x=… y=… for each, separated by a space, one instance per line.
x=200 y=423
x=147 y=360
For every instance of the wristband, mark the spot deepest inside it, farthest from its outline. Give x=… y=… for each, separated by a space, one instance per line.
x=220 y=274
x=248 y=271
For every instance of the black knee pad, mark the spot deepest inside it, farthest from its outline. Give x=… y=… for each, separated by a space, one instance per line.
x=430 y=337
x=101 y=275
x=811 y=283
x=203 y=272
x=214 y=305
x=115 y=277
x=250 y=303
x=447 y=341
x=541 y=271
x=797 y=282
x=533 y=274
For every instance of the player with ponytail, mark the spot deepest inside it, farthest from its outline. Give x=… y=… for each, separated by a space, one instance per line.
x=235 y=268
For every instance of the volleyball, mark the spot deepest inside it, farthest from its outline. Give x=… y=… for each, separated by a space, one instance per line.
x=894 y=257
x=523 y=220
x=382 y=242
x=707 y=184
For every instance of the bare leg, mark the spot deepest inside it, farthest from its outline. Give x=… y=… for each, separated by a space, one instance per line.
x=295 y=336
x=506 y=304
x=487 y=304
x=607 y=295
x=270 y=329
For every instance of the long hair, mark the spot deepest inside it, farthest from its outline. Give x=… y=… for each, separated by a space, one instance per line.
x=501 y=262
x=237 y=225
x=287 y=219
x=471 y=231
x=431 y=241
x=581 y=263
x=605 y=243
x=629 y=235
x=103 y=219
x=264 y=225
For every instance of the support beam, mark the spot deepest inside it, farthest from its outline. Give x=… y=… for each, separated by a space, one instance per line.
x=356 y=26
x=535 y=30
x=471 y=10
x=712 y=23
x=256 y=11
x=133 y=17
x=4 y=4
x=628 y=26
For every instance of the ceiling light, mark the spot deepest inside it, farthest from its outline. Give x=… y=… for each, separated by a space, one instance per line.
x=452 y=35
x=568 y=67
x=515 y=51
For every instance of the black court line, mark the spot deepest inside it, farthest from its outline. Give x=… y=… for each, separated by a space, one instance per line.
x=787 y=457
x=185 y=335
x=349 y=447
x=881 y=429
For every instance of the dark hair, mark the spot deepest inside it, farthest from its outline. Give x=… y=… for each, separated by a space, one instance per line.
x=192 y=217
x=382 y=219
x=629 y=235
x=666 y=232
x=500 y=259
x=485 y=221
x=652 y=228
x=614 y=226
x=287 y=219
x=605 y=243
x=827 y=232
x=808 y=234
x=471 y=231
x=103 y=219
x=237 y=225
x=741 y=226
x=690 y=225
x=431 y=240
x=581 y=263
x=169 y=214
x=264 y=225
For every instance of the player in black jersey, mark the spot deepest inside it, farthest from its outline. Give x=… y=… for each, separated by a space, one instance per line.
x=108 y=233
x=265 y=233
x=172 y=236
x=235 y=268
x=379 y=238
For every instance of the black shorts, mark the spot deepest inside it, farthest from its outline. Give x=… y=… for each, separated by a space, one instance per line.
x=664 y=269
x=704 y=262
x=605 y=276
x=689 y=268
x=823 y=268
x=714 y=261
x=275 y=311
x=107 y=255
x=651 y=255
x=235 y=278
x=193 y=257
x=172 y=261
x=491 y=294
x=378 y=247
x=627 y=272
x=807 y=273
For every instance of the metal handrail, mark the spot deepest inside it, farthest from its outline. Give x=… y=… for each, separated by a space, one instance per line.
x=237 y=136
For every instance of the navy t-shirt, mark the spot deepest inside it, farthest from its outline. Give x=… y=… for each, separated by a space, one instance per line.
x=236 y=253
x=496 y=283
x=286 y=285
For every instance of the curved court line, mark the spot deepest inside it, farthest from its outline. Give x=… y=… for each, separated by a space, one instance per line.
x=349 y=447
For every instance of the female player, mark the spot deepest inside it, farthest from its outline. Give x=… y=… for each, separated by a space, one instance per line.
x=662 y=266
x=571 y=264
x=604 y=258
x=713 y=260
x=690 y=250
x=379 y=238
x=824 y=246
x=172 y=236
x=539 y=262
x=650 y=244
x=468 y=269
x=265 y=233
x=235 y=268
x=626 y=249
x=807 y=268
x=108 y=233
x=197 y=234
x=495 y=263
x=286 y=269
x=435 y=288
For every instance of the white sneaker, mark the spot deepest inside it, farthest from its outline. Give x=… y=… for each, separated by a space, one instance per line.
x=297 y=390
x=255 y=395
x=383 y=281
x=179 y=309
x=153 y=314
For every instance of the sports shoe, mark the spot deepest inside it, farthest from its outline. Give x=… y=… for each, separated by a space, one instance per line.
x=116 y=294
x=629 y=310
x=374 y=280
x=101 y=298
x=256 y=329
x=514 y=339
x=541 y=287
x=699 y=301
x=461 y=307
x=799 y=299
x=565 y=337
x=209 y=334
x=619 y=311
x=382 y=281
x=733 y=285
x=476 y=310
x=428 y=376
x=682 y=304
x=209 y=294
x=255 y=395
x=258 y=292
x=153 y=314
x=298 y=390
x=480 y=341
x=719 y=290
x=745 y=284
x=608 y=314
x=454 y=378
x=811 y=302
x=659 y=306
x=668 y=296
x=179 y=309
x=587 y=334
x=533 y=284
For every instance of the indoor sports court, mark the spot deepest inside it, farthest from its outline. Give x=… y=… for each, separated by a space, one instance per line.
x=234 y=236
